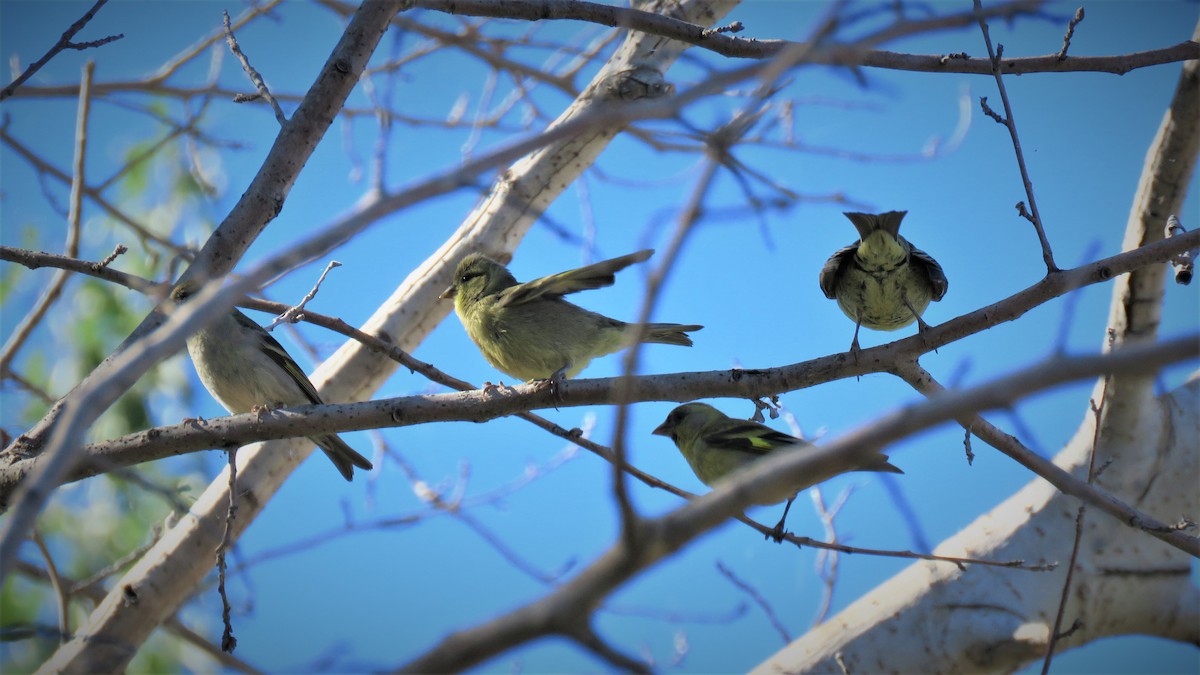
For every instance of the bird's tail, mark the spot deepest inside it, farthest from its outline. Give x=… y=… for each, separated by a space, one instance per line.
x=670 y=333
x=866 y=223
x=343 y=456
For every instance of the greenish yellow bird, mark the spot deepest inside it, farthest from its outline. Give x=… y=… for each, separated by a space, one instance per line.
x=716 y=445
x=882 y=281
x=246 y=370
x=529 y=331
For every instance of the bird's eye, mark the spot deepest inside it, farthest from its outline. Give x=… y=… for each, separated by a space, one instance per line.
x=464 y=278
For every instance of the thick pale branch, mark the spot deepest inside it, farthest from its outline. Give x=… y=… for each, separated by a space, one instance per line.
x=977 y=620
x=1135 y=309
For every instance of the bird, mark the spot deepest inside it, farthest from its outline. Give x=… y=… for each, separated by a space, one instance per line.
x=882 y=281
x=716 y=445
x=247 y=370
x=527 y=330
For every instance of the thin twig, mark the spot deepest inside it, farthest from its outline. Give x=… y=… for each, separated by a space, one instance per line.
x=585 y=637
x=228 y=641
x=758 y=600
x=827 y=559
x=255 y=77
x=56 y=585
x=74 y=219
x=687 y=219
x=295 y=313
x=924 y=382
x=1011 y=124
x=1062 y=53
x=64 y=42
x=454 y=508
x=45 y=168
x=1097 y=413
x=172 y=624
x=118 y=250
x=24 y=382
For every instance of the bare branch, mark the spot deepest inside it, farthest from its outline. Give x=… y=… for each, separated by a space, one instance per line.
x=64 y=42
x=556 y=612
x=100 y=270
x=1056 y=630
x=228 y=641
x=1075 y=20
x=54 y=288
x=296 y=312
x=476 y=406
x=257 y=207
x=257 y=79
x=1011 y=124
x=758 y=600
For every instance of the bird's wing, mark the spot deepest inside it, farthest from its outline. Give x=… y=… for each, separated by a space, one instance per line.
x=279 y=355
x=832 y=270
x=937 y=278
x=596 y=275
x=749 y=437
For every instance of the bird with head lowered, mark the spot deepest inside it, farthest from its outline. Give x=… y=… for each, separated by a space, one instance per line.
x=882 y=281
x=716 y=445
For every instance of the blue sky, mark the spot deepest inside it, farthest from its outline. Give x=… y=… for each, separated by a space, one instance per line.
x=375 y=599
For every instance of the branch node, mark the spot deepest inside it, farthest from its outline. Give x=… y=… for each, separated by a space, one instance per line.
x=987 y=110
x=1184 y=262
x=119 y=250
x=735 y=27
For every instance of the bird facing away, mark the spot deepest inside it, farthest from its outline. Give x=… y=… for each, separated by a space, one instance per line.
x=716 y=445
x=246 y=370
x=529 y=331
x=882 y=281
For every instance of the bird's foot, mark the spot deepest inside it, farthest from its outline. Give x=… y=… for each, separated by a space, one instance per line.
x=776 y=534
x=922 y=329
x=854 y=348
x=260 y=411
x=556 y=383
x=854 y=351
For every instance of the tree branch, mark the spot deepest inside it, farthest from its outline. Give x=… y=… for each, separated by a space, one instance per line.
x=64 y=43
x=672 y=532
x=479 y=406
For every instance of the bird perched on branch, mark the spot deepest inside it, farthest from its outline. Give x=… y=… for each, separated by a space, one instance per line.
x=882 y=281
x=716 y=445
x=529 y=331
x=247 y=370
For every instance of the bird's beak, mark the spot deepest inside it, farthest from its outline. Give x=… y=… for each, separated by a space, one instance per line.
x=447 y=294
x=663 y=429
